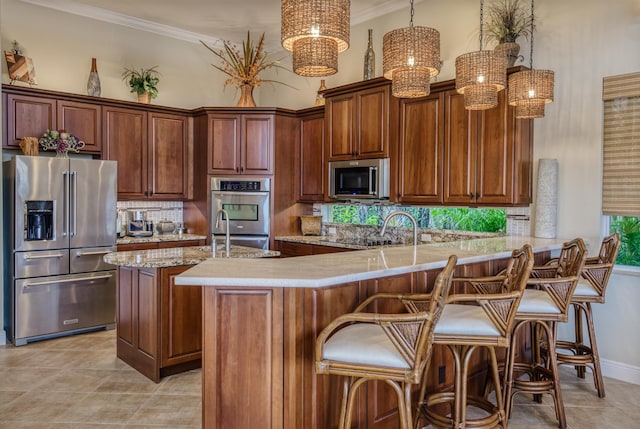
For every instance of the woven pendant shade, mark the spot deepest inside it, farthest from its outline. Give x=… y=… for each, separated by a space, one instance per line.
x=479 y=76
x=315 y=31
x=410 y=57
x=529 y=91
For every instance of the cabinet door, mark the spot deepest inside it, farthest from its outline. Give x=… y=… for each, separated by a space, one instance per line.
x=373 y=123
x=421 y=149
x=494 y=180
x=28 y=117
x=84 y=121
x=125 y=140
x=224 y=141
x=312 y=159
x=168 y=156
x=460 y=151
x=257 y=144
x=340 y=127
x=180 y=319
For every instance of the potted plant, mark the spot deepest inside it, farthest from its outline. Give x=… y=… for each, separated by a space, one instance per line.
x=143 y=82
x=508 y=20
x=243 y=67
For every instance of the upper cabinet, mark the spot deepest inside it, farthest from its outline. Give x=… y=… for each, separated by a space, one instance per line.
x=358 y=119
x=152 y=153
x=420 y=150
x=240 y=143
x=32 y=116
x=312 y=164
x=488 y=154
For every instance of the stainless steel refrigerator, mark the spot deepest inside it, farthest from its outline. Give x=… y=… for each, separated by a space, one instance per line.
x=60 y=220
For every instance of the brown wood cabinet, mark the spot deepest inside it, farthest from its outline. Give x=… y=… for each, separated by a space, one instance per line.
x=488 y=154
x=32 y=116
x=420 y=150
x=312 y=162
x=159 y=245
x=159 y=324
x=152 y=152
x=289 y=248
x=358 y=119
x=240 y=143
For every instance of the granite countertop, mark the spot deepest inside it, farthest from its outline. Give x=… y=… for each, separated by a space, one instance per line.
x=155 y=238
x=337 y=268
x=177 y=256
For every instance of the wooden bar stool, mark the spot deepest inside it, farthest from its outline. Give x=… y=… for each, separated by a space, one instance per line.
x=395 y=348
x=465 y=328
x=541 y=309
x=591 y=288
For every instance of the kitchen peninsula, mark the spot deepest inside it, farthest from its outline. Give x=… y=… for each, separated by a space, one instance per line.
x=158 y=325
x=261 y=320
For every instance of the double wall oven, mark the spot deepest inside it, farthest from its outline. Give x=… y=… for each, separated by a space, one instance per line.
x=246 y=201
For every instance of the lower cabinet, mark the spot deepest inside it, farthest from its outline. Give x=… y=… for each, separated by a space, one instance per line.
x=288 y=248
x=159 y=245
x=159 y=324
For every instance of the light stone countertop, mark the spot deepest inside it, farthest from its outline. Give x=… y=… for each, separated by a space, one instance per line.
x=179 y=256
x=337 y=268
x=156 y=238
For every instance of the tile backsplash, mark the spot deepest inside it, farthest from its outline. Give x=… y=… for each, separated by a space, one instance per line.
x=156 y=210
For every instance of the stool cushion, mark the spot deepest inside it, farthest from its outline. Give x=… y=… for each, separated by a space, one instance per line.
x=363 y=343
x=465 y=320
x=584 y=288
x=537 y=301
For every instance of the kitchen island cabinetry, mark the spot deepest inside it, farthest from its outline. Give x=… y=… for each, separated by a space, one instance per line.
x=288 y=302
x=358 y=119
x=240 y=143
x=488 y=154
x=288 y=249
x=152 y=153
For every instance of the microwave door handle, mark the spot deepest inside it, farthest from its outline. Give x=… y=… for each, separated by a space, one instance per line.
x=373 y=184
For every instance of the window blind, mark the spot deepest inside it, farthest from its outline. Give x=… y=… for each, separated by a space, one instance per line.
x=621 y=148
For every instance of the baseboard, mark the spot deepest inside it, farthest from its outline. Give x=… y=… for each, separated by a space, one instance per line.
x=3 y=337
x=620 y=371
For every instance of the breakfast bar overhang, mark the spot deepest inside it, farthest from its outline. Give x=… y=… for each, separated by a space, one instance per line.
x=261 y=320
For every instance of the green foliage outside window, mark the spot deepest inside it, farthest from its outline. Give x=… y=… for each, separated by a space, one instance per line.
x=461 y=219
x=629 y=229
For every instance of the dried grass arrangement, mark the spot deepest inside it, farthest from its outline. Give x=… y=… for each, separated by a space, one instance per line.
x=508 y=20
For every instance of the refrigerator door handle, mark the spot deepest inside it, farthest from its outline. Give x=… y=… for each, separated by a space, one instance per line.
x=74 y=279
x=92 y=252
x=30 y=257
x=73 y=225
x=65 y=202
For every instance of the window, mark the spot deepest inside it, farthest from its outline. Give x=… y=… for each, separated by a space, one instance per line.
x=460 y=219
x=621 y=163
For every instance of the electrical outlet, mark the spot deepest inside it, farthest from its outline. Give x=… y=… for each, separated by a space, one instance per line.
x=332 y=230
x=425 y=237
x=442 y=374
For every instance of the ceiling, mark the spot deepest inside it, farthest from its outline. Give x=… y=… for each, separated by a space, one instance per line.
x=208 y=20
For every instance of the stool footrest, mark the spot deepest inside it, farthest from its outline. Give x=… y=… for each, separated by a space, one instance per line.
x=492 y=420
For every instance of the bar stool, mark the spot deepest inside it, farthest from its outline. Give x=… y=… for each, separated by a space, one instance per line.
x=395 y=348
x=591 y=288
x=464 y=328
x=541 y=309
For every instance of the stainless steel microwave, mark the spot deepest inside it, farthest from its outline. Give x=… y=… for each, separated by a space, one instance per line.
x=359 y=179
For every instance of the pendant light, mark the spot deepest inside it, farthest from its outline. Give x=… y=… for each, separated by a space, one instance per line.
x=480 y=75
x=530 y=90
x=410 y=58
x=315 y=31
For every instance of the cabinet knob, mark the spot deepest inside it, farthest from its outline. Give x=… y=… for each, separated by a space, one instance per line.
x=471 y=195
x=241 y=169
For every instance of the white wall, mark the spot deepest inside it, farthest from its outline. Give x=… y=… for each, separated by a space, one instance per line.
x=581 y=40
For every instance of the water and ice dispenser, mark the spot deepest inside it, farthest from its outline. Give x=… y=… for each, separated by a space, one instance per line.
x=39 y=220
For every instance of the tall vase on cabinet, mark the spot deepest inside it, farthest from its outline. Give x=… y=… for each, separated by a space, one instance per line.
x=93 y=84
x=369 y=59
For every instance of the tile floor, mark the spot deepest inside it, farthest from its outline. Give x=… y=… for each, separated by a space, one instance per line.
x=78 y=383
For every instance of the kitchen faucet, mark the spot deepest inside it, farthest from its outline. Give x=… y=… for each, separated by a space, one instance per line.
x=401 y=213
x=227 y=244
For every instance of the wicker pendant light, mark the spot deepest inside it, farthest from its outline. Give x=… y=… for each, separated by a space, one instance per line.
x=480 y=75
x=315 y=31
x=410 y=58
x=530 y=90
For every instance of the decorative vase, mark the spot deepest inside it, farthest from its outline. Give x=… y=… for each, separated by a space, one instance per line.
x=246 y=96
x=144 y=98
x=320 y=95
x=369 y=59
x=93 y=84
x=62 y=154
x=511 y=51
